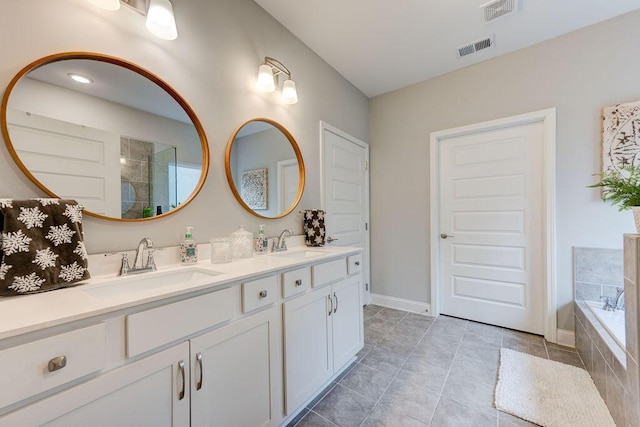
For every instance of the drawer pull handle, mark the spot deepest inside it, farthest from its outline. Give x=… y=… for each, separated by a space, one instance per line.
x=357 y=263
x=199 y=360
x=263 y=294
x=331 y=306
x=57 y=363
x=336 y=298
x=184 y=380
x=299 y=282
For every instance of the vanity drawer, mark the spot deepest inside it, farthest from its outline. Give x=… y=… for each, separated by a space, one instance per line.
x=152 y=328
x=30 y=368
x=258 y=293
x=328 y=272
x=296 y=281
x=354 y=264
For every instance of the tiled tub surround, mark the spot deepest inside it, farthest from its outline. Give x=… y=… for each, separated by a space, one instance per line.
x=419 y=371
x=614 y=369
x=597 y=272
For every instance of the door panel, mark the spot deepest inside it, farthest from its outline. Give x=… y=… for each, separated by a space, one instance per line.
x=491 y=194
x=345 y=194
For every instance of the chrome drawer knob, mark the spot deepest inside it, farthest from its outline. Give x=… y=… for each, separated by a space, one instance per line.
x=299 y=282
x=263 y=294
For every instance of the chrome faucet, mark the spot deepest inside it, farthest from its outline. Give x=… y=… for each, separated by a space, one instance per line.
x=281 y=244
x=614 y=303
x=139 y=264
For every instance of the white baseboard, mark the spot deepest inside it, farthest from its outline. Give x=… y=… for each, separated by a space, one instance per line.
x=401 y=304
x=566 y=338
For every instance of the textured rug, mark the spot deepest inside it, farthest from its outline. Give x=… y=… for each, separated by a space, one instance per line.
x=548 y=393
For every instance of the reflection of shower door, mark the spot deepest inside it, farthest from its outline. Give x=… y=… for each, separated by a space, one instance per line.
x=161 y=187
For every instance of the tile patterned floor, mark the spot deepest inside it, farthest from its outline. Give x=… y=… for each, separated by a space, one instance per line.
x=417 y=371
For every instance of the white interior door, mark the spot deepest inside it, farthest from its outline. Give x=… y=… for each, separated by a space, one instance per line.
x=491 y=215
x=77 y=162
x=345 y=181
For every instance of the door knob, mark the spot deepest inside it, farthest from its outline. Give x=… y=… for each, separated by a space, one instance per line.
x=331 y=239
x=445 y=235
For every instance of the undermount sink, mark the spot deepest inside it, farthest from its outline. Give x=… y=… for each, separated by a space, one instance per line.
x=147 y=281
x=298 y=254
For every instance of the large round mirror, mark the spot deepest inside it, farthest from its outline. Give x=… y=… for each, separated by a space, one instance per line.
x=265 y=169
x=106 y=133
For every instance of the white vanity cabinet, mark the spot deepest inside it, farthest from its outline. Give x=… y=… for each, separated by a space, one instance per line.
x=236 y=374
x=153 y=391
x=323 y=330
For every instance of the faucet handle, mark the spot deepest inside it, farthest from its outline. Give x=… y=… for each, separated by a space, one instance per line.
x=151 y=262
x=124 y=264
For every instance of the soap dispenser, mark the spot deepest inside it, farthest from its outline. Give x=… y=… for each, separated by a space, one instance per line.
x=189 y=248
x=261 y=242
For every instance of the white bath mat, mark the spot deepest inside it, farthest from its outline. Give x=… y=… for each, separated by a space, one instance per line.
x=548 y=393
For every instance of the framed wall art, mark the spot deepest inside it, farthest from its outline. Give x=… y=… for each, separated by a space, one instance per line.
x=621 y=136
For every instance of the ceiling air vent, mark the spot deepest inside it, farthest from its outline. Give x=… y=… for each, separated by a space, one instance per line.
x=476 y=46
x=495 y=9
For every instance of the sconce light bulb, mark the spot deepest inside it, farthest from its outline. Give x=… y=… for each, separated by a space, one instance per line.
x=265 y=79
x=289 y=92
x=161 y=21
x=106 y=4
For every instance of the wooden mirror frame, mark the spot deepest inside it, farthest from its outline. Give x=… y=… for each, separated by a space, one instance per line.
x=132 y=67
x=296 y=149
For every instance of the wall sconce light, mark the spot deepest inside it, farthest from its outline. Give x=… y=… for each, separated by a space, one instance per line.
x=268 y=72
x=160 y=19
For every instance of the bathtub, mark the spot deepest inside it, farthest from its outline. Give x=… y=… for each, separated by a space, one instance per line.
x=613 y=321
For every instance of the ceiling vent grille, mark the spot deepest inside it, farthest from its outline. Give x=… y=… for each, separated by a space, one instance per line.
x=497 y=9
x=476 y=46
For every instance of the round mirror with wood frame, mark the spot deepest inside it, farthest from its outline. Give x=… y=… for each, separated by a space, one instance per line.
x=106 y=132
x=264 y=168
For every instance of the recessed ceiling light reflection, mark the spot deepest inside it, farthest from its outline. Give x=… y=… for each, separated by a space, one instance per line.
x=79 y=78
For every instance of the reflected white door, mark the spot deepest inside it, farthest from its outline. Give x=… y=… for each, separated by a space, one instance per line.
x=345 y=181
x=288 y=182
x=491 y=213
x=75 y=161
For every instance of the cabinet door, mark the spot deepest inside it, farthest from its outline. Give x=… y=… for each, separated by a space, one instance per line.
x=307 y=339
x=348 y=335
x=236 y=374
x=153 y=391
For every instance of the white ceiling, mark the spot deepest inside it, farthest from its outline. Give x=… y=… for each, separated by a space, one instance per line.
x=383 y=45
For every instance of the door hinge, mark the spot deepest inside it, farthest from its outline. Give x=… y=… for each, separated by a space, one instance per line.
x=366 y=286
x=365 y=165
x=366 y=226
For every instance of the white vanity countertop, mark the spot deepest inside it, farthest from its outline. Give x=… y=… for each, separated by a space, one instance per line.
x=29 y=313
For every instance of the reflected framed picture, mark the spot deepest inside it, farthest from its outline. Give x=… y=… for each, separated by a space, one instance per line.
x=254 y=188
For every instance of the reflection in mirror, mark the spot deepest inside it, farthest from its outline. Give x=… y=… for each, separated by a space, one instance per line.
x=265 y=168
x=123 y=143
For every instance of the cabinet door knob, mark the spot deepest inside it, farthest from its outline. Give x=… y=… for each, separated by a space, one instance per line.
x=299 y=282
x=357 y=263
x=263 y=294
x=57 y=363
x=184 y=380
x=199 y=361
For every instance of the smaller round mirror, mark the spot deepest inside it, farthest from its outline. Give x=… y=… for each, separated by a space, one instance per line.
x=265 y=168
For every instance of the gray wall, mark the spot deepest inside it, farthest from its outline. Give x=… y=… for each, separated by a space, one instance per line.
x=213 y=64
x=579 y=73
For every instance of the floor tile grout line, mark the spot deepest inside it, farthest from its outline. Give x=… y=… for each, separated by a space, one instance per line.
x=394 y=378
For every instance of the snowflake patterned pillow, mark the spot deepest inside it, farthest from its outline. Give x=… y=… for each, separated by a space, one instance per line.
x=42 y=245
